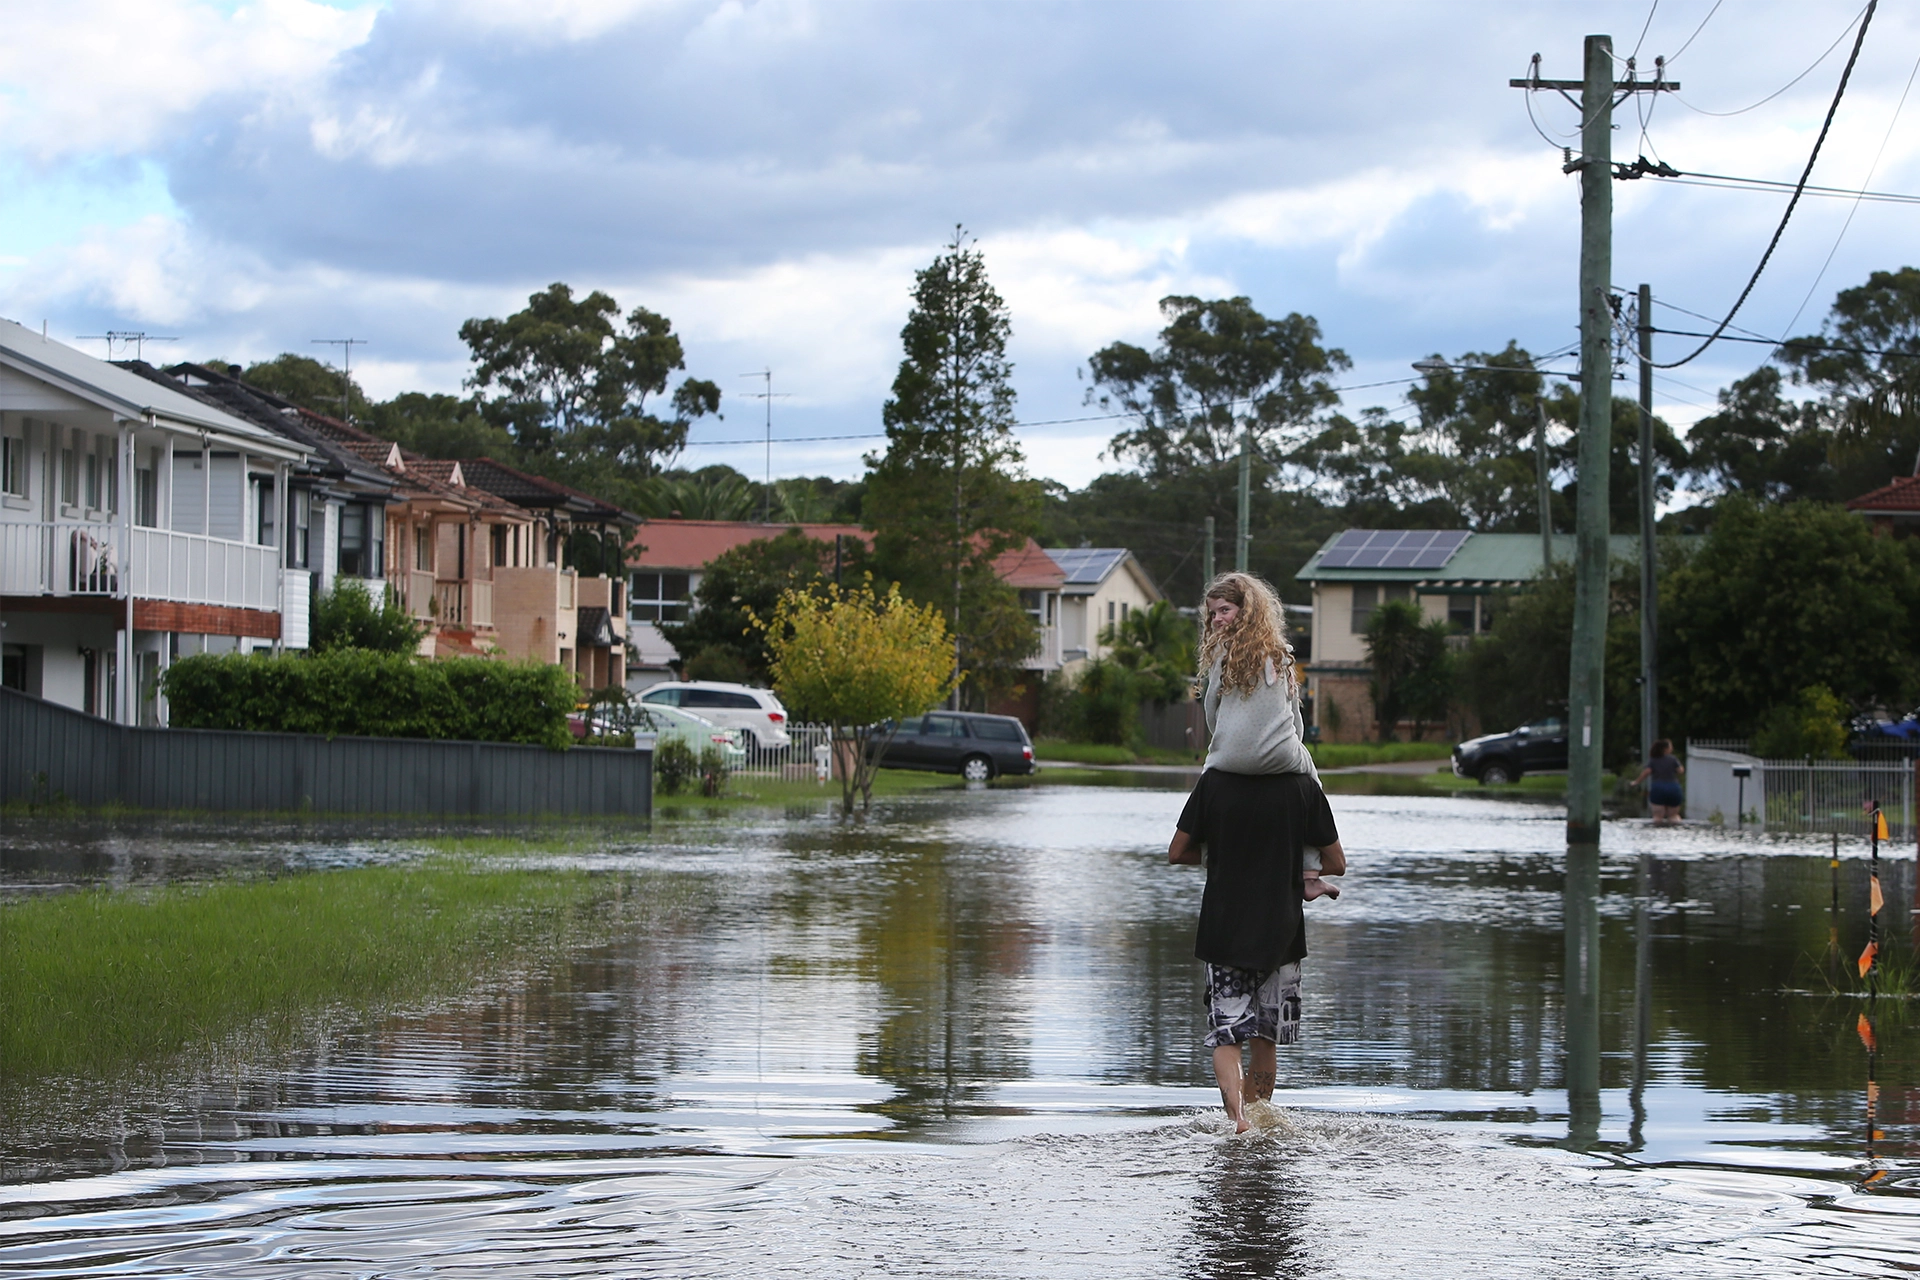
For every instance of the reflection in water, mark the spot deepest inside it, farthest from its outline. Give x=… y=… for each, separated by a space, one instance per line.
x=963 y=1038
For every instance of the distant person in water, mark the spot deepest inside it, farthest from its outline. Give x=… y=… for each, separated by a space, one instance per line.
x=1257 y=812
x=1664 y=792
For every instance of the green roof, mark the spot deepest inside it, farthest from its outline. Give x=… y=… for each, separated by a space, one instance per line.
x=1483 y=560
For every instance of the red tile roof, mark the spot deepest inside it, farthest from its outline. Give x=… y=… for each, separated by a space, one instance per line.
x=1900 y=496
x=1029 y=567
x=691 y=544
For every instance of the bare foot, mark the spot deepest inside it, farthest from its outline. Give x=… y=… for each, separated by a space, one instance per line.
x=1241 y=1124
x=1314 y=887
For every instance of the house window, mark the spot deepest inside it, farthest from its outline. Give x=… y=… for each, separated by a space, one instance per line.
x=1460 y=615
x=107 y=466
x=90 y=474
x=359 y=545
x=146 y=492
x=299 y=525
x=1110 y=609
x=498 y=549
x=1368 y=596
x=13 y=465
x=423 y=547
x=263 y=523
x=69 y=478
x=1035 y=603
x=659 y=597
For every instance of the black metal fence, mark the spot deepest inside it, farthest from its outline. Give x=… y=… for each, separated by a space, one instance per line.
x=52 y=755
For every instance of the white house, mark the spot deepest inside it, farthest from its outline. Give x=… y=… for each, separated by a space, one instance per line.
x=1104 y=585
x=137 y=524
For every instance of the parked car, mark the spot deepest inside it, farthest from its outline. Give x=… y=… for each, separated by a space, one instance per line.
x=732 y=706
x=975 y=746
x=696 y=731
x=1535 y=747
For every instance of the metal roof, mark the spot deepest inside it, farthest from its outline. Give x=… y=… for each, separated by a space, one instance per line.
x=1483 y=559
x=126 y=393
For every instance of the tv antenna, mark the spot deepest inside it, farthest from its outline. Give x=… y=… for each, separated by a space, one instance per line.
x=137 y=338
x=769 y=395
x=346 y=346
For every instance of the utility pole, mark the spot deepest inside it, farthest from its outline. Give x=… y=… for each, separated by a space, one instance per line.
x=1586 y=683
x=346 y=346
x=1243 y=534
x=1546 y=489
x=1649 y=583
x=1206 y=580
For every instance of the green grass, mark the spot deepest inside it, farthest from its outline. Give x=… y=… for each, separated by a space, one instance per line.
x=1347 y=755
x=104 y=983
x=760 y=792
x=1083 y=753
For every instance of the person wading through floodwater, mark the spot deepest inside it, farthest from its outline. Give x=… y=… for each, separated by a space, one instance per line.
x=1257 y=812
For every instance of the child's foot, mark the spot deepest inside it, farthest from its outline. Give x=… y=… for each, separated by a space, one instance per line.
x=1314 y=887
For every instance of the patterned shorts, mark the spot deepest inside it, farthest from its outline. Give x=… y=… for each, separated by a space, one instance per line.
x=1243 y=1004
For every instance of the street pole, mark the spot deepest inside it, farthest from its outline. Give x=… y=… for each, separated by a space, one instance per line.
x=1546 y=490
x=1206 y=555
x=1243 y=535
x=1649 y=584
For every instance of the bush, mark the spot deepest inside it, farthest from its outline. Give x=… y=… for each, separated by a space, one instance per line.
x=1813 y=724
x=362 y=693
x=674 y=765
x=713 y=770
x=347 y=618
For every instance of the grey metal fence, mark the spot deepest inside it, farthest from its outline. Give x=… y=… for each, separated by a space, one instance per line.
x=50 y=754
x=1797 y=795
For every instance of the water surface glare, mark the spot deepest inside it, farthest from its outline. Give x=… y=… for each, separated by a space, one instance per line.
x=961 y=1038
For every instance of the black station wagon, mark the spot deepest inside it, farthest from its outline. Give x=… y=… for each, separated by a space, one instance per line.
x=975 y=746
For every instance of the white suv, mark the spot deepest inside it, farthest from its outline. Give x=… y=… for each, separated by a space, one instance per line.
x=731 y=706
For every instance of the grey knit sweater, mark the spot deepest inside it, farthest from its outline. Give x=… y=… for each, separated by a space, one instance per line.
x=1258 y=730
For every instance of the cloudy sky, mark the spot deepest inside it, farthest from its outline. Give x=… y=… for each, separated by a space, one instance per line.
x=769 y=173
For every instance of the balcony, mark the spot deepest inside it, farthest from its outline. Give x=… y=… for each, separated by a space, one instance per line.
x=78 y=559
x=1046 y=657
x=464 y=606
x=418 y=590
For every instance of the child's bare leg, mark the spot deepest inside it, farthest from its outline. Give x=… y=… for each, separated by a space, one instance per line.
x=1261 y=1071
x=1226 y=1070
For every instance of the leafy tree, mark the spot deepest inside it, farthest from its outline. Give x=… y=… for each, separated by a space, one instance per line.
x=1763 y=445
x=1411 y=667
x=307 y=383
x=859 y=662
x=948 y=496
x=1780 y=598
x=1813 y=723
x=348 y=618
x=720 y=641
x=1871 y=402
x=1222 y=371
x=1157 y=645
x=711 y=493
x=571 y=381
x=440 y=426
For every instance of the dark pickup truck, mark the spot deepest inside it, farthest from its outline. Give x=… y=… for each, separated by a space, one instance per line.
x=1537 y=747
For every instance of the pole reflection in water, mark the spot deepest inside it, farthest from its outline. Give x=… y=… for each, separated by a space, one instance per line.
x=1580 y=901
x=1642 y=996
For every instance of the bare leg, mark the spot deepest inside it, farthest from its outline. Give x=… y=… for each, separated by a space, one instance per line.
x=1312 y=886
x=1226 y=1070
x=1261 y=1072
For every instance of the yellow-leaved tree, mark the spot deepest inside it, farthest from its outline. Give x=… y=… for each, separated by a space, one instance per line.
x=860 y=662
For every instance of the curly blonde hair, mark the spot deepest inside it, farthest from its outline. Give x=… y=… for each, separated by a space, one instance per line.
x=1259 y=633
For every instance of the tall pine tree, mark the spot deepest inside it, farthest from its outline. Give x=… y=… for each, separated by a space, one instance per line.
x=950 y=494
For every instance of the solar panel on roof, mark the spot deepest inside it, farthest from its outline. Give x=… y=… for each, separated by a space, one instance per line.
x=1393 y=549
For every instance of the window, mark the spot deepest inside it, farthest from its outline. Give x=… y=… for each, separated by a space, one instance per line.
x=90 y=475
x=69 y=478
x=659 y=597
x=719 y=699
x=423 y=547
x=107 y=467
x=1035 y=603
x=943 y=727
x=999 y=730
x=357 y=557
x=13 y=465
x=1368 y=596
x=662 y=697
x=146 y=492
x=299 y=526
x=499 y=547
x=1460 y=614
x=1109 y=611
x=264 y=530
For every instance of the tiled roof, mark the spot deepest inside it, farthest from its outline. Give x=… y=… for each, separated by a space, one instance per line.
x=1903 y=495
x=691 y=544
x=1031 y=567
x=537 y=491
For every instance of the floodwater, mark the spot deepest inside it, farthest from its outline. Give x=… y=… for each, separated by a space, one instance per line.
x=960 y=1038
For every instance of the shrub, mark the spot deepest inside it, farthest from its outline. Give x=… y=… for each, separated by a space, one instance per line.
x=674 y=765
x=1813 y=724
x=713 y=770
x=347 y=618
x=362 y=693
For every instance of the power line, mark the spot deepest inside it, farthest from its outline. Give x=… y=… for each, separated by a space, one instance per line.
x=1697 y=30
x=1783 y=88
x=1808 y=344
x=1866 y=21
x=1644 y=28
x=1771 y=186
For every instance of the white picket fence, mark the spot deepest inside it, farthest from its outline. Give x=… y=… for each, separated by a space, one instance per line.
x=1797 y=796
x=799 y=759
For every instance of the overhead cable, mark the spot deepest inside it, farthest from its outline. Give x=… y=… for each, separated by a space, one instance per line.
x=1866 y=20
x=1783 y=88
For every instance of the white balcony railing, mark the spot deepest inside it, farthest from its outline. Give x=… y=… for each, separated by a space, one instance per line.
x=1046 y=657
x=463 y=605
x=64 y=558
x=420 y=585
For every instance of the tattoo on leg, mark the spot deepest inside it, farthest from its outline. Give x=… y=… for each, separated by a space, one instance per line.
x=1260 y=1083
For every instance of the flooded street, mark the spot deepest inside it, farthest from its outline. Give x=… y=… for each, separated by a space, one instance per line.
x=961 y=1037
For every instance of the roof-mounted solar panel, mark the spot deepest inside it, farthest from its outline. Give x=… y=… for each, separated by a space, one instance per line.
x=1393 y=549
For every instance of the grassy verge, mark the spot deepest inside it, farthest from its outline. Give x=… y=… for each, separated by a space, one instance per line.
x=104 y=983
x=1347 y=755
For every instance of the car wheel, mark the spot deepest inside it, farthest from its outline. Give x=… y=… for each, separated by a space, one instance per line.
x=1495 y=773
x=976 y=768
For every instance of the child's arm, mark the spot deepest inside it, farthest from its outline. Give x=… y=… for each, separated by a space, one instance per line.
x=1333 y=860
x=1184 y=850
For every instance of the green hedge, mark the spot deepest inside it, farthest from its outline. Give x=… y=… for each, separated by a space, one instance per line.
x=359 y=693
